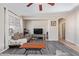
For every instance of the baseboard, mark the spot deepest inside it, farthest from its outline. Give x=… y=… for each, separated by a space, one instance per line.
x=71 y=45
x=52 y=40
x=3 y=50
x=77 y=44
x=70 y=41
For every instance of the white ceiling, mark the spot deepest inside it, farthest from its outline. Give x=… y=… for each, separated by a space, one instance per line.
x=21 y=9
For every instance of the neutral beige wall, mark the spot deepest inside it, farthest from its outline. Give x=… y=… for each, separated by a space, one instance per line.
x=1 y=28
x=52 y=30
x=77 y=26
x=30 y=25
x=72 y=26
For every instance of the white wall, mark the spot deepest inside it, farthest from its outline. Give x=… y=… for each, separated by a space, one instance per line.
x=1 y=28
x=7 y=37
x=30 y=25
x=77 y=28
x=52 y=30
x=71 y=27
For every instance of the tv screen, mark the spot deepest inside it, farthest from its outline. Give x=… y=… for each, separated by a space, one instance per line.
x=38 y=31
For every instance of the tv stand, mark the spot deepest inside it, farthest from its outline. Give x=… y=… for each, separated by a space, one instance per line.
x=39 y=36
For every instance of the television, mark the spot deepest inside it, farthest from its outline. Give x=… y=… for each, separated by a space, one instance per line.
x=38 y=31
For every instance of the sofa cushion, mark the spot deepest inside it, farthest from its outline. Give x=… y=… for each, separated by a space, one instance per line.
x=22 y=41
x=21 y=35
x=18 y=42
x=16 y=36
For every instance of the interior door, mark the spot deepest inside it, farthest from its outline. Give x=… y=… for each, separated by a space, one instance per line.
x=63 y=31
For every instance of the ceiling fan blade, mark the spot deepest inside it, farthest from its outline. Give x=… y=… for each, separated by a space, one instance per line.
x=40 y=7
x=52 y=4
x=29 y=4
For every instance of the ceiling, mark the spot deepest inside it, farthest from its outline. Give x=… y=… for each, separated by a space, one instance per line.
x=22 y=10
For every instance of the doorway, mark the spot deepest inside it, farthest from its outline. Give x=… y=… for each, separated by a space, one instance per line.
x=61 y=29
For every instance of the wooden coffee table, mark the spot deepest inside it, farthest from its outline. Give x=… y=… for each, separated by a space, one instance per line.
x=33 y=46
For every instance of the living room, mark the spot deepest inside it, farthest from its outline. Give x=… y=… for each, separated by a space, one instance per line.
x=47 y=24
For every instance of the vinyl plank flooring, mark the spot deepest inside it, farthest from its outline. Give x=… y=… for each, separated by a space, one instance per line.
x=53 y=48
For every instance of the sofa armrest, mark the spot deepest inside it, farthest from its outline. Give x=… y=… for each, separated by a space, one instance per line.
x=18 y=42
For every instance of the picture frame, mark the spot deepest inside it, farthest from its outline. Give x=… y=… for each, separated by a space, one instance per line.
x=53 y=23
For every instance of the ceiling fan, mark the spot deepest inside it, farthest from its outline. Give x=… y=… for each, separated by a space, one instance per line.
x=40 y=5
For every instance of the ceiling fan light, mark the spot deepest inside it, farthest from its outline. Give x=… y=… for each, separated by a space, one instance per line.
x=52 y=4
x=29 y=4
x=40 y=7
